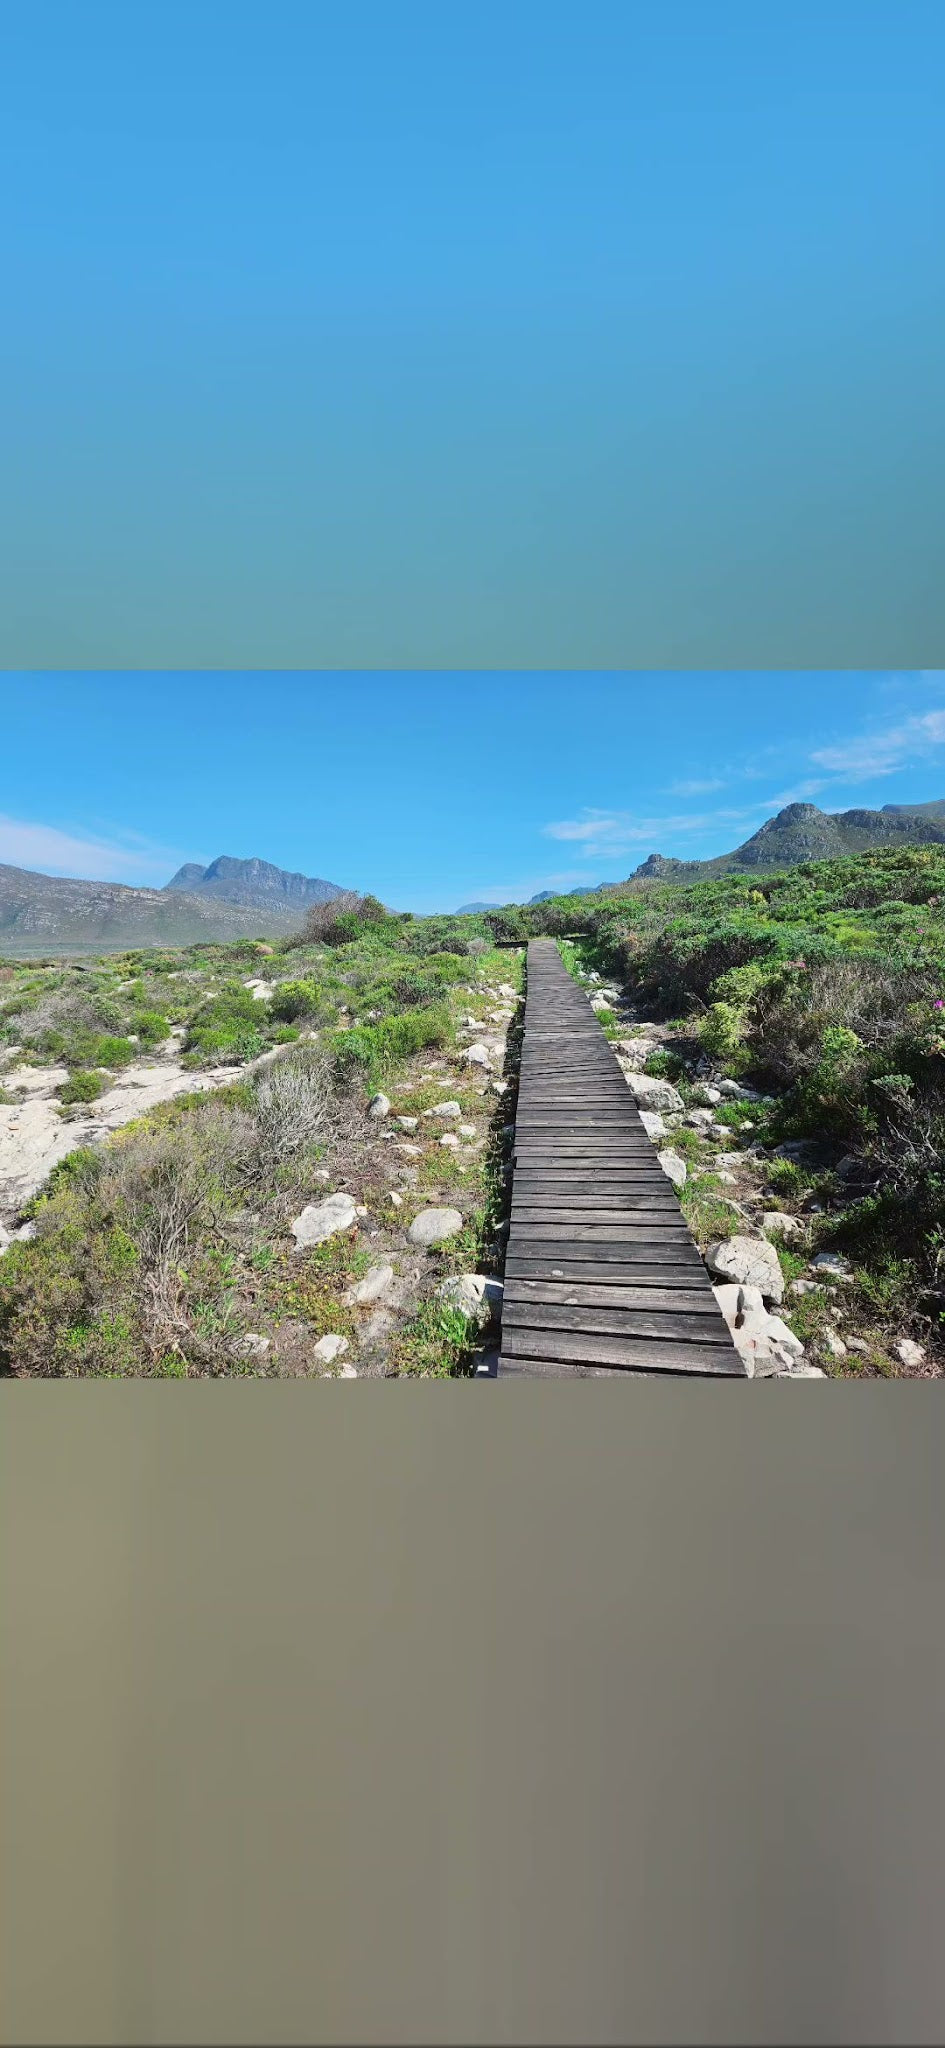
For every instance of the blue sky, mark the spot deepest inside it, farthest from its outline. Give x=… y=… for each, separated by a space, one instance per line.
x=438 y=789
x=523 y=333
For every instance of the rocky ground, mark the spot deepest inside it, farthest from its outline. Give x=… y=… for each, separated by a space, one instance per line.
x=389 y=1259
x=795 y=1310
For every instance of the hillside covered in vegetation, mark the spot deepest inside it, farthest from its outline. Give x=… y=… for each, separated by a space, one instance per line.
x=174 y=1241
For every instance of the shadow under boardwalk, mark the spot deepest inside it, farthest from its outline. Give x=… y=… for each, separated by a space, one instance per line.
x=602 y=1277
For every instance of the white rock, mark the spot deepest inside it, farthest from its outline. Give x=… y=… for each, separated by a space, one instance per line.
x=261 y=990
x=699 y=1120
x=329 y=1348
x=780 y=1333
x=477 y=1055
x=321 y=1220
x=408 y=1123
x=410 y=1151
x=348 y=1371
x=506 y=989
x=476 y=1294
x=834 y=1344
x=650 y=1092
x=832 y=1264
x=673 y=1167
x=805 y=1287
x=909 y=1353
x=729 y=1180
x=361 y=1209
x=731 y=1091
x=749 y=1260
x=703 y=1092
x=499 y=1087
x=444 y=1110
x=653 y=1123
x=450 y=1140
x=379 y=1106
x=784 y=1226
x=252 y=1345
x=466 y=1130
x=434 y=1226
x=858 y=1344
x=803 y=1372
x=396 y=1199
x=375 y=1283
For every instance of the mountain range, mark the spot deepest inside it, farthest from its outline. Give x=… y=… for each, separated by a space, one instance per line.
x=800 y=832
x=230 y=899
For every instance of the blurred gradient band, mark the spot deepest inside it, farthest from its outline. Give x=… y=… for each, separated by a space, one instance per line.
x=523 y=336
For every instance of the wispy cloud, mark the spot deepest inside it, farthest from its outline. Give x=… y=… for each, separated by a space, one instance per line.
x=53 y=852
x=881 y=753
x=696 y=788
x=604 y=835
x=520 y=891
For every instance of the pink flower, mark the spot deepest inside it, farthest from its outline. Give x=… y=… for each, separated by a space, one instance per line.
x=938 y=1005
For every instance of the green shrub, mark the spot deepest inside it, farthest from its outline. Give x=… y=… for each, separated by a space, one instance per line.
x=83 y=1086
x=294 y=999
x=149 y=1026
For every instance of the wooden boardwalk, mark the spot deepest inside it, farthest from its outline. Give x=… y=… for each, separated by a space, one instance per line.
x=601 y=1275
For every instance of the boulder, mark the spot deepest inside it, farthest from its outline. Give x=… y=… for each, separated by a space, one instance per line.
x=805 y=1287
x=466 y=1130
x=653 y=1123
x=450 y=1140
x=699 y=1120
x=379 y=1106
x=765 y=1344
x=750 y=1261
x=444 y=1110
x=635 y=1050
x=321 y=1220
x=783 y=1226
x=477 y=1295
x=832 y=1265
x=834 y=1344
x=434 y=1226
x=706 y=1094
x=477 y=1055
x=673 y=1167
x=649 y=1091
x=375 y=1282
x=329 y=1348
x=909 y=1353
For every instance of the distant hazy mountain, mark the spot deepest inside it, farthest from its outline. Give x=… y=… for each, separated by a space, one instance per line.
x=802 y=832
x=232 y=899
x=252 y=882
x=467 y=909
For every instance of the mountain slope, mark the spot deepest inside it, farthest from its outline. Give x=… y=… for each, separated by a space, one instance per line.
x=252 y=882
x=56 y=913
x=802 y=832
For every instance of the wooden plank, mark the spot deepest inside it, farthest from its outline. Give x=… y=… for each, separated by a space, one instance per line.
x=600 y=1294
x=596 y=1208
x=616 y=1322
x=649 y=1352
x=669 y=1230
x=635 y=1272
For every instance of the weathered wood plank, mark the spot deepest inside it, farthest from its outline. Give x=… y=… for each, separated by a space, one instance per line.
x=617 y=1322
x=652 y=1353
x=599 y=1294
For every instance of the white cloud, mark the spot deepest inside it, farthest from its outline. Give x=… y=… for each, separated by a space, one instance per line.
x=606 y=834
x=881 y=753
x=696 y=788
x=52 y=852
x=519 y=892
